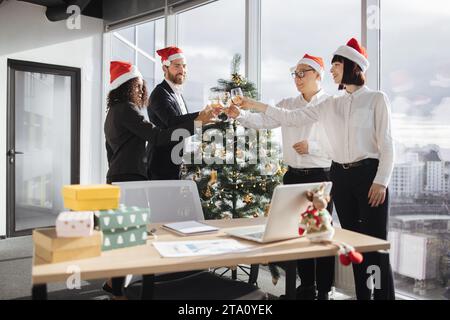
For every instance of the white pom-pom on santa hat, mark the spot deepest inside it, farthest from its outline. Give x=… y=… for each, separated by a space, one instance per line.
x=169 y=54
x=314 y=62
x=121 y=72
x=355 y=52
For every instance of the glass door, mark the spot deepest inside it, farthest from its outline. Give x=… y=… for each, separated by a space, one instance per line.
x=43 y=152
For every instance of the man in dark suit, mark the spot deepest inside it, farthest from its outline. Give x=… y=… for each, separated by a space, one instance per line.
x=166 y=109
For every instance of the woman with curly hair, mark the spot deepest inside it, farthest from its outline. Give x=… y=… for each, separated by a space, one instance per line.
x=127 y=133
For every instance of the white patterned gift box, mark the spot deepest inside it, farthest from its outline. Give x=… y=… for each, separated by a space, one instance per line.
x=75 y=224
x=123 y=227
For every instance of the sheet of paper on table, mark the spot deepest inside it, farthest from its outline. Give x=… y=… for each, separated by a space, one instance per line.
x=177 y=249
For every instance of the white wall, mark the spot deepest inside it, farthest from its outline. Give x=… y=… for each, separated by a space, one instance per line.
x=26 y=34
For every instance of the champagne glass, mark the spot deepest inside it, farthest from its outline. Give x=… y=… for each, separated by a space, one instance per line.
x=237 y=96
x=225 y=101
x=214 y=102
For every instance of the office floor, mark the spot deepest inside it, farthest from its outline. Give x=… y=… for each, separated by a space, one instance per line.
x=15 y=277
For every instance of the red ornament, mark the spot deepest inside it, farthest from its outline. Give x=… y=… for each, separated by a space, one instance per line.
x=301 y=231
x=344 y=259
x=355 y=257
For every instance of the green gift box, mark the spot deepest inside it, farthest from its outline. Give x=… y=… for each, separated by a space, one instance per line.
x=123 y=227
x=124 y=238
x=124 y=217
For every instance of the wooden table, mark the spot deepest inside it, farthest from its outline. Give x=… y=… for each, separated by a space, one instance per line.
x=146 y=261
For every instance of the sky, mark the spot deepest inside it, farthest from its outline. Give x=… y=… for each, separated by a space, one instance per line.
x=416 y=69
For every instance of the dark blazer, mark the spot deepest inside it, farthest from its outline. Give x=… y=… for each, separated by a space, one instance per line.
x=126 y=134
x=164 y=112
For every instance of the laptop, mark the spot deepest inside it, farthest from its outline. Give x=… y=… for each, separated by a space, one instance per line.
x=288 y=202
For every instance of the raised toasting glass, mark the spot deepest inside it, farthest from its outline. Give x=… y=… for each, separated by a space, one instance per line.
x=237 y=96
x=215 y=102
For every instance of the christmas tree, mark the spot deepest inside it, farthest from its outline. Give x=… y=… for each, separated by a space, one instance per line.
x=240 y=181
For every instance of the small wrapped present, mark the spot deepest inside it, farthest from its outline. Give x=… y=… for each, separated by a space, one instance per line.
x=123 y=227
x=75 y=224
x=122 y=217
x=50 y=248
x=124 y=238
x=91 y=197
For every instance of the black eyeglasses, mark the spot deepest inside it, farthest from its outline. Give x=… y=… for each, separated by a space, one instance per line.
x=300 y=74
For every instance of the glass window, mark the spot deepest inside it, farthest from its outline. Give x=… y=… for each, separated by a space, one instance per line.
x=305 y=28
x=416 y=77
x=147 y=68
x=150 y=35
x=286 y=35
x=146 y=36
x=128 y=34
x=159 y=44
x=159 y=33
x=210 y=45
x=121 y=51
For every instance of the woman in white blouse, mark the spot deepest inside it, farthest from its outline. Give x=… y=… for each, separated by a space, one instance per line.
x=358 y=127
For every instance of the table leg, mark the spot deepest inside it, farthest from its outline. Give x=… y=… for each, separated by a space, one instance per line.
x=291 y=278
x=39 y=292
x=117 y=286
x=148 y=287
x=387 y=290
x=254 y=271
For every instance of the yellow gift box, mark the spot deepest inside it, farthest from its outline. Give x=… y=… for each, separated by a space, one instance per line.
x=50 y=248
x=91 y=197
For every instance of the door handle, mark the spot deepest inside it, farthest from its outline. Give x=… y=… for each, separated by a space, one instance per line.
x=12 y=152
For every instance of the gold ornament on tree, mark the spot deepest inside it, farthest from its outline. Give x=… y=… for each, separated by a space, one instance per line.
x=198 y=174
x=208 y=192
x=281 y=170
x=248 y=199
x=266 y=210
x=213 y=178
x=237 y=79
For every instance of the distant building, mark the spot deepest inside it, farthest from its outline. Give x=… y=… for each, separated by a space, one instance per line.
x=435 y=177
x=444 y=154
x=408 y=177
x=437 y=172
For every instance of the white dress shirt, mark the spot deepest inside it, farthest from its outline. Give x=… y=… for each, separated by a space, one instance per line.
x=178 y=90
x=358 y=127
x=291 y=134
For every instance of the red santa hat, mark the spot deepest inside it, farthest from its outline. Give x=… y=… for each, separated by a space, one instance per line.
x=314 y=62
x=169 y=54
x=121 y=72
x=355 y=52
